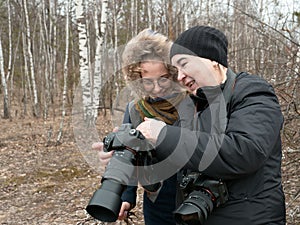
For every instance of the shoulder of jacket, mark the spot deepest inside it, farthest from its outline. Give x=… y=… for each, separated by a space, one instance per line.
x=134 y=115
x=251 y=85
x=246 y=82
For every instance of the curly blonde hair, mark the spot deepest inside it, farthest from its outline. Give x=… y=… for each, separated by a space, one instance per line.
x=146 y=46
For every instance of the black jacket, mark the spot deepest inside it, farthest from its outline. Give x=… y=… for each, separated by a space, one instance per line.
x=160 y=211
x=239 y=143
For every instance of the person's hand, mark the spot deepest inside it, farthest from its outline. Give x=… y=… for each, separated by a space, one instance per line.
x=125 y=208
x=151 y=128
x=103 y=156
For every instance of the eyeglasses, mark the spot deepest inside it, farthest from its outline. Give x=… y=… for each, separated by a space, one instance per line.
x=162 y=82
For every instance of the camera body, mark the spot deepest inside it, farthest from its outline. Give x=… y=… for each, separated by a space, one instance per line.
x=201 y=195
x=130 y=164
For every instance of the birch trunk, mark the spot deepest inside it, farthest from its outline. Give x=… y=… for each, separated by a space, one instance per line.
x=116 y=55
x=132 y=14
x=31 y=64
x=149 y=11
x=9 y=68
x=83 y=61
x=53 y=39
x=99 y=43
x=4 y=84
x=10 y=41
x=66 y=71
x=27 y=84
x=47 y=55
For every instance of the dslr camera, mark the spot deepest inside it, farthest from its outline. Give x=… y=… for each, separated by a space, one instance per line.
x=201 y=195
x=130 y=164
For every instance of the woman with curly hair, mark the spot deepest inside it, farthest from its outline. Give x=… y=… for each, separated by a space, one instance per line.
x=146 y=67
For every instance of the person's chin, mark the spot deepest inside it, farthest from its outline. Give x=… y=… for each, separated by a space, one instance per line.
x=191 y=90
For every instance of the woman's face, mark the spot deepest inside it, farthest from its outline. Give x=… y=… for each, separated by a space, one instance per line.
x=195 y=72
x=156 y=80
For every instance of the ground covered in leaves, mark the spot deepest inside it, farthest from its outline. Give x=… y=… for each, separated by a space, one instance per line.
x=44 y=182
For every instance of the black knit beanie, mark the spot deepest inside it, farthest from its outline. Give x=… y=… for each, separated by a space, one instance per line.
x=203 y=41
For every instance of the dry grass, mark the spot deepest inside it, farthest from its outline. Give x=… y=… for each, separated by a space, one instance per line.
x=44 y=183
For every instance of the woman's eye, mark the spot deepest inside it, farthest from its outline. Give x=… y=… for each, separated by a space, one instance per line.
x=183 y=65
x=163 y=79
x=147 y=82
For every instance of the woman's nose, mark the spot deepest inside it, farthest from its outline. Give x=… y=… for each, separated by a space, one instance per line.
x=156 y=88
x=180 y=75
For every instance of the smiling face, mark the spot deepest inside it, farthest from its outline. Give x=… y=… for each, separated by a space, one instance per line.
x=195 y=72
x=155 y=79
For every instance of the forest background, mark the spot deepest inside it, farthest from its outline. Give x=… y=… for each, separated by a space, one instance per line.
x=61 y=77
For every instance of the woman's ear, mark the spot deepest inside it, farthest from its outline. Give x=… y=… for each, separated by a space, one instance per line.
x=216 y=65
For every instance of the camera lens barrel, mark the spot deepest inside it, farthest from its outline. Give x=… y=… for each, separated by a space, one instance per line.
x=195 y=209
x=106 y=201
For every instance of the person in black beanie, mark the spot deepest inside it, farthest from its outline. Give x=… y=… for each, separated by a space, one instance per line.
x=235 y=136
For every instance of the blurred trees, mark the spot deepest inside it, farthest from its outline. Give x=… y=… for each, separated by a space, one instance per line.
x=263 y=36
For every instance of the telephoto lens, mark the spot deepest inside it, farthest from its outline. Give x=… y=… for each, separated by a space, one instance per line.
x=130 y=147
x=106 y=202
x=202 y=194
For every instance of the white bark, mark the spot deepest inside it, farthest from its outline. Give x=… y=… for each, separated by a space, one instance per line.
x=47 y=55
x=64 y=95
x=149 y=11
x=4 y=83
x=83 y=61
x=31 y=64
x=27 y=84
x=53 y=38
x=10 y=41
x=116 y=52
x=132 y=13
x=99 y=43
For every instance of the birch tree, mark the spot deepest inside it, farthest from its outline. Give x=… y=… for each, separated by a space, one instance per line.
x=149 y=11
x=26 y=80
x=45 y=46
x=9 y=68
x=53 y=47
x=4 y=83
x=6 y=78
x=48 y=29
x=99 y=43
x=31 y=64
x=83 y=61
x=133 y=14
x=66 y=71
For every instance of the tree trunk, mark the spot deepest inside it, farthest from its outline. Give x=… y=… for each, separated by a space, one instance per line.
x=45 y=42
x=4 y=84
x=170 y=21
x=26 y=80
x=149 y=11
x=83 y=61
x=66 y=71
x=99 y=43
x=31 y=64
x=10 y=41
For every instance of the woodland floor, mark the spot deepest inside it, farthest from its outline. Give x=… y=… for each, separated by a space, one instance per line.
x=45 y=183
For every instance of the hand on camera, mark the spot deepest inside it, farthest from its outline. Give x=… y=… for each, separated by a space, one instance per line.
x=103 y=156
x=151 y=128
x=125 y=208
